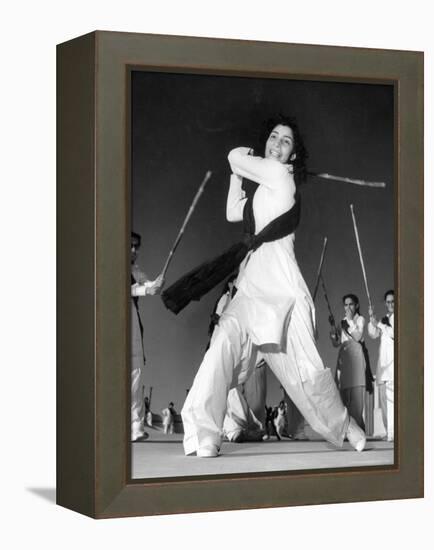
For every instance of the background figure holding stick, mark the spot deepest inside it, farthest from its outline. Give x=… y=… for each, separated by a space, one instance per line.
x=351 y=363
x=169 y=418
x=384 y=374
x=140 y=286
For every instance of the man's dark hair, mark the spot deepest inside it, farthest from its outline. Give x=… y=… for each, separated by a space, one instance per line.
x=389 y=293
x=135 y=238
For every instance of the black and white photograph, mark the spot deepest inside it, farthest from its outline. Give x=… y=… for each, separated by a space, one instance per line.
x=263 y=242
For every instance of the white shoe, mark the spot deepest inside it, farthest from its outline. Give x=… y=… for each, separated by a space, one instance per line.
x=356 y=436
x=208 y=451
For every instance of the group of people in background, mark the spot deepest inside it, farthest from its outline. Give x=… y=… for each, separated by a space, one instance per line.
x=353 y=370
x=266 y=316
x=352 y=373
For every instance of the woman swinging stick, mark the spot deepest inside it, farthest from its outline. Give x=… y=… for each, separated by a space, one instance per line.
x=272 y=312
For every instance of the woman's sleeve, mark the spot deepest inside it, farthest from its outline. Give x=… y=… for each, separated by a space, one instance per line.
x=356 y=328
x=141 y=289
x=373 y=331
x=139 y=275
x=222 y=303
x=236 y=200
x=267 y=172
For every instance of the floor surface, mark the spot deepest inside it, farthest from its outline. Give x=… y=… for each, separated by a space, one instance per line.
x=162 y=456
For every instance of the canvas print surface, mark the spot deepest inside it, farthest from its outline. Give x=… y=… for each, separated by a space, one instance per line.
x=262 y=275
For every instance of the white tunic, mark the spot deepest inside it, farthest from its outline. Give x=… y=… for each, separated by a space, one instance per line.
x=270 y=280
x=271 y=313
x=351 y=359
x=356 y=326
x=385 y=356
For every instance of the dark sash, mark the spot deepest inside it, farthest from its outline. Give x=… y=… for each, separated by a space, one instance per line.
x=386 y=321
x=135 y=300
x=369 y=379
x=205 y=277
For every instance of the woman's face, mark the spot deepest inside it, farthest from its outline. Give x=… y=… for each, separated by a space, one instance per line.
x=350 y=308
x=280 y=144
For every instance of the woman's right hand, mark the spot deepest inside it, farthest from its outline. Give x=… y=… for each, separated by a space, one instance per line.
x=156 y=285
x=372 y=318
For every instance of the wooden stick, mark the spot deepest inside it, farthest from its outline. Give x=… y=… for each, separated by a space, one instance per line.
x=324 y=246
x=331 y=316
x=359 y=248
x=348 y=180
x=184 y=225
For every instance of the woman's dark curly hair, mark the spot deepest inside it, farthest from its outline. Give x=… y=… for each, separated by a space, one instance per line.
x=299 y=163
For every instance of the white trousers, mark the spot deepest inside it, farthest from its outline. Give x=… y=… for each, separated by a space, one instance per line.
x=137 y=403
x=137 y=378
x=168 y=426
x=240 y=419
x=386 y=401
x=229 y=362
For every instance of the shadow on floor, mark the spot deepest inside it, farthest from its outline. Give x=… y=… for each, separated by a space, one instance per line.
x=47 y=493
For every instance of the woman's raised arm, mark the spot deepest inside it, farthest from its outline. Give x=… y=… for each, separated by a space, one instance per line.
x=268 y=172
x=236 y=200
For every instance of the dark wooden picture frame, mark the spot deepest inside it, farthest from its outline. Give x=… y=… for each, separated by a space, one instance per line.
x=93 y=449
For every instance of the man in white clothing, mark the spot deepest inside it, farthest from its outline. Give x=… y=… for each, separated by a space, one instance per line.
x=140 y=286
x=385 y=366
x=168 y=415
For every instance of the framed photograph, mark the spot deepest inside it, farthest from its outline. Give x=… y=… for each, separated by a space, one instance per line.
x=235 y=220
